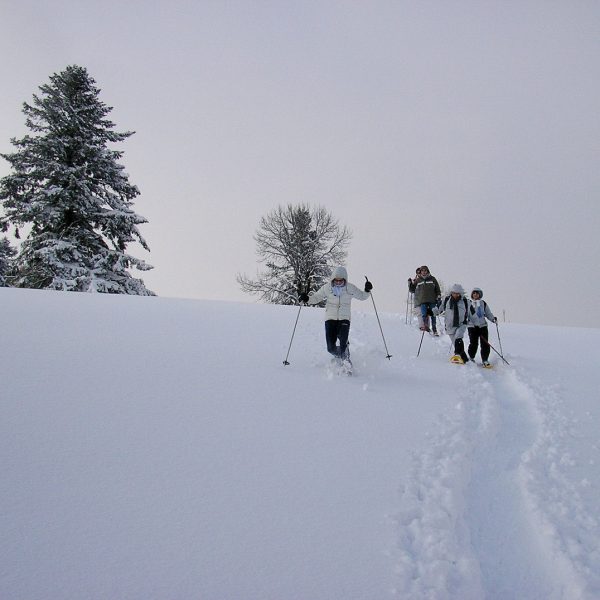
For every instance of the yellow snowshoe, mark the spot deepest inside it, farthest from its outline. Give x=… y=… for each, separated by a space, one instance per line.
x=457 y=360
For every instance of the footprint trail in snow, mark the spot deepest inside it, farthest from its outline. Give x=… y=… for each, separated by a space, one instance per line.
x=484 y=504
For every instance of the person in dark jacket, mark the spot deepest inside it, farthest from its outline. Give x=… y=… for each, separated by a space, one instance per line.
x=479 y=311
x=412 y=284
x=427 y=297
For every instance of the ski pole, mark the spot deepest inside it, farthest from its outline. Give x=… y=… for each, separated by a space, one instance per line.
x=388 y=355
x=285 y=362
x=499 y=340
x=496 y=351
x=422 y=336
x=407 y=299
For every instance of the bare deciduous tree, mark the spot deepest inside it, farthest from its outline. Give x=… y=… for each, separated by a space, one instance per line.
x=299 y=247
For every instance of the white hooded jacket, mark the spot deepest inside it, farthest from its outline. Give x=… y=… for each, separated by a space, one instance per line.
x=476 y=320
x=337 y=307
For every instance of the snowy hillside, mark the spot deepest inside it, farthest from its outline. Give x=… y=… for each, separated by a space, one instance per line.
x=158 y=449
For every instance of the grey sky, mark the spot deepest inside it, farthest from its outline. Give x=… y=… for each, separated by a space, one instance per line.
x=462 y=135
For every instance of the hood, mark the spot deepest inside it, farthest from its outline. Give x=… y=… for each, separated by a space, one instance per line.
x=340 y=273
x=476 y=289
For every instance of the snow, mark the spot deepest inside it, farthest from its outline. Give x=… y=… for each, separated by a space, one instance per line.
x=159 y=449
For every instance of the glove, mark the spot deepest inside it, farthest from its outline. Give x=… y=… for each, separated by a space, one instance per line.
x=495 y=319
x=368 y=286
x=304 y=297
x=409 y=280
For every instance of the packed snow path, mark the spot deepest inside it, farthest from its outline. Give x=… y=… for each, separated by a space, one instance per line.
x=505 y=541
x=155 y=448
x=489 y=510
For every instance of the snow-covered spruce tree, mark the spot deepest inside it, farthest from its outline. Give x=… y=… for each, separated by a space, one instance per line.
x=299 y=247
x=68 y=188
x=6 y=254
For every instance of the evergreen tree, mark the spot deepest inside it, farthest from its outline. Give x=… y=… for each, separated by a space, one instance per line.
x=6 y=254
x=68 y=188
x=300 y=247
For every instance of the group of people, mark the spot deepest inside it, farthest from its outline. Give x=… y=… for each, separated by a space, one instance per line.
x=460 y=314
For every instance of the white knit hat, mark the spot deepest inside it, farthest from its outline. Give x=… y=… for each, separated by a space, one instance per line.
x=457 y=289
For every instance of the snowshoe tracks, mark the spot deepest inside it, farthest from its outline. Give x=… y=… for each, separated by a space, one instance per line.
x=493 y=488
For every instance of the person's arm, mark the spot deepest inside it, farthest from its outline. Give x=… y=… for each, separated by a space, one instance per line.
x=356 y=292
x=489 y=314
x=318 y=296
x=440 y=309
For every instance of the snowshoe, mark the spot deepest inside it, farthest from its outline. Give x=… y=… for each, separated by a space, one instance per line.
x=424 y=328
x=341 y=366
x=346 y=367
x=457 y=360
x=486 y=365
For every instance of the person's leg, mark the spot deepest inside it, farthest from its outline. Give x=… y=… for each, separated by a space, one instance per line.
x=417 y=310
x=459 y=348
x=429 y=314
x=433 y=322
x=343 y=332
x=452 y=336
x=424 y=316
x=485 y=347
x=331 y=334
x=473 y=342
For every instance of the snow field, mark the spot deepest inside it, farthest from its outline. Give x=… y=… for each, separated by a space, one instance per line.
x=571 y=533
x=156 y=448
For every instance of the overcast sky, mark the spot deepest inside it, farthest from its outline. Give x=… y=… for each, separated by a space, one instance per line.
x=461 y=135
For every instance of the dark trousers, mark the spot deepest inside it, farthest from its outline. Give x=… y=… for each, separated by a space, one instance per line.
x=475 y=334
x=334 y=331
x=459 y=348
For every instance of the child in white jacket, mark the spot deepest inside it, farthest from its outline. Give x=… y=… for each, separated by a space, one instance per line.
x=338 y=295
x=479 y=311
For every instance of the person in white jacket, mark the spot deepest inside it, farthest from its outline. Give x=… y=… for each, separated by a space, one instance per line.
x=479 y=311
x=455 y=310
x=337 y=295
